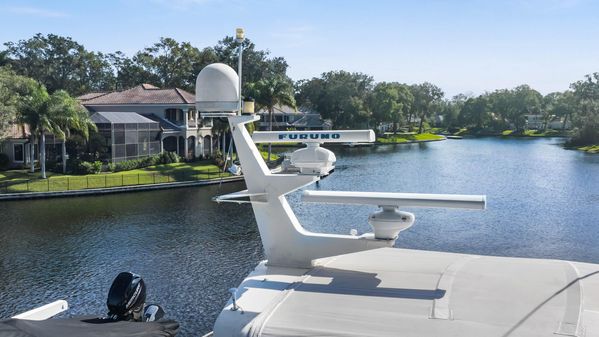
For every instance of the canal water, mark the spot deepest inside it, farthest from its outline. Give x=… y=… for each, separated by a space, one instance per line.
x=543 y=201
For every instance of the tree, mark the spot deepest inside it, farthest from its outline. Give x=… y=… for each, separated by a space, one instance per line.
x=427 y=97
x=526 y=101
x=53 y=114
x=257 y=64
x=475 y=112
x=513 y=105
x=559 y=104
x=60 y=63
x=271 y=92
x=451 y=110
x=32 y=112
x=9 y=98
x=128 y=73
x=338 y=95
x=586 y=121
x=388 y=102
x=70 y=116
x=167 y=63
x=3 y=58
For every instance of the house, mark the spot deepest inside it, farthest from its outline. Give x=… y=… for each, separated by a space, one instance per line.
x=558 y=124
x=180 y=128
x=538 y=122
x=288 y=118
x=15 y=144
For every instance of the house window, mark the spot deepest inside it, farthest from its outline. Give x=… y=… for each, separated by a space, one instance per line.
x=172 y=115
x=206 y=122
x=18 y=153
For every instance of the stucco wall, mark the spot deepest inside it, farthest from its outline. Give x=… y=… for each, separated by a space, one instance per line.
x=156 y=109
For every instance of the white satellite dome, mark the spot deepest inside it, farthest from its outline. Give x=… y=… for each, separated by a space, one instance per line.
x=217 y=88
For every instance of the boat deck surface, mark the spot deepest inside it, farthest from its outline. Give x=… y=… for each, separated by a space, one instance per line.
x=400 y=292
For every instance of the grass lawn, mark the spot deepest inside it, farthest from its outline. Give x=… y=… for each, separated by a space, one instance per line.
x=590 y=148
x=408 y=137
x=23 y=181
x=264 y=153
x=461 y=132
x=532 y=133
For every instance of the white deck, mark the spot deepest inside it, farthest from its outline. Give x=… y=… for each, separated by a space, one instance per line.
x=399 y=292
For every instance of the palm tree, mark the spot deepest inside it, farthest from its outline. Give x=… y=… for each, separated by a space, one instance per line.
x=56 y=114
x=34 y=113
x=271 y=92
x=71 y=116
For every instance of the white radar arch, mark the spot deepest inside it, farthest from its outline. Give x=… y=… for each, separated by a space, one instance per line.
x=286 y=243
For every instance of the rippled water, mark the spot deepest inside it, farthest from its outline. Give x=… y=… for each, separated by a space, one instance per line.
x=543 y=201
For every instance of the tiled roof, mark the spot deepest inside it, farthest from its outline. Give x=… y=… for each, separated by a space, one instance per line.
x=119 y=117
x=90 y=95
x=17 y=131
x=141 y=94
x=164 y=124
x=280 y=110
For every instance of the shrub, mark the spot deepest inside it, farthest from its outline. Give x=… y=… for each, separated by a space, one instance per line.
x=4 y=161
x=128 y=165
x=169 y=157
x=218 y=159
x=219 y=162
x=86 y=167
x=157 y=159
x=97 y=165
x=111 y=167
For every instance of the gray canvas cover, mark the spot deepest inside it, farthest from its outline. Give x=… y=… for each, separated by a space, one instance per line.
x=86 y=327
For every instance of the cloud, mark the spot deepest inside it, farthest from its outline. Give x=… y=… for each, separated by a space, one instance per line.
x=39 y=12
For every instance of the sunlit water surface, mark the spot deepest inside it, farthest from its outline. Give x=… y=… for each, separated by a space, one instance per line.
x=543 y=201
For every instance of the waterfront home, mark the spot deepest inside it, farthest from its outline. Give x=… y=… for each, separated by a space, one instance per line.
x=16 y=144
x=538 y=121
x=288 y=118
x=181 y=128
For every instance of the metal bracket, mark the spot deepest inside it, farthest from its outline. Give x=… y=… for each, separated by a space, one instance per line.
x=233 y=197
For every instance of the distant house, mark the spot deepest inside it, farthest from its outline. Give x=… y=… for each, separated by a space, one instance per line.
x=15 y=144
x=534 y=121
x=558 y=123
x=287 y=118
x=538 y=122
x=180 y=128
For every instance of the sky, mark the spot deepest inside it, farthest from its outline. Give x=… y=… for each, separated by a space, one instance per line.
x=461 y=46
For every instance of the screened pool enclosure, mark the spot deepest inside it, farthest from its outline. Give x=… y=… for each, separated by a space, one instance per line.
x=127 y=135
